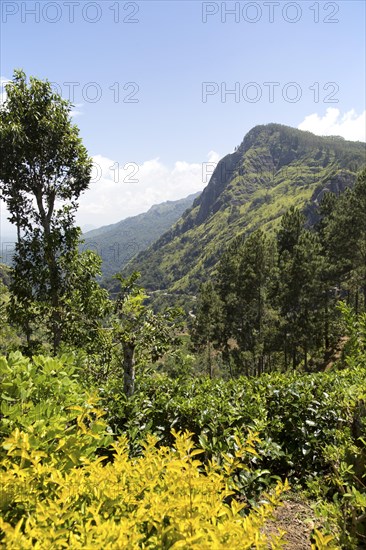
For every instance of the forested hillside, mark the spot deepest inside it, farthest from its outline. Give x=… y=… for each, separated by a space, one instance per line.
x=116 y=244
x=274 y=168
x=128 y=426
x=273 y=299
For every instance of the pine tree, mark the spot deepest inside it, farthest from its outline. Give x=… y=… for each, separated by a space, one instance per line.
x=343 y=231
x=255 y=322
x=301 y=292
x=206 y=330
x=244 y=279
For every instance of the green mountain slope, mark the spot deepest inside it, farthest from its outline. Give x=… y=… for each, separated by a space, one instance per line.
x=274 y=168
x=119 y=242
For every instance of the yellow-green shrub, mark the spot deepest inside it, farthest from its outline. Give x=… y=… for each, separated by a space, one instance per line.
x=43 y=399
x=163 y=499
x=56 y=492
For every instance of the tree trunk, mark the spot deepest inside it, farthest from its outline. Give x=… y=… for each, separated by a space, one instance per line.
x=286 y=358
x=50 y=256
x=209 y=360
x=294 y=362
x=356 y=302
x=260 y=365
x=306 y=366
x=129 y=368
x=326 y=324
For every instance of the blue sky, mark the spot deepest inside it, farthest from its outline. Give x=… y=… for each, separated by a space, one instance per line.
x=176 y=60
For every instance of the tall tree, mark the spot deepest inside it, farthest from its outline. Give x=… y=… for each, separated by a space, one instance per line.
x=291 y=227
x=44 y=168
x=207 y=327
x=256 y=270
x=343 y=230
x=226 y=286
x=301 y=292
x=244 y=278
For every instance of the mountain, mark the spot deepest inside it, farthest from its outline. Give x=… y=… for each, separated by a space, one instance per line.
x=274 y=168
x=119 y=242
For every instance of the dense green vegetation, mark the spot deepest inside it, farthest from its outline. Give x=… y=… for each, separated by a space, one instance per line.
x=119 y=242
x=309 y=429
x=272 y=303
x=275 y=168
x=125 y=427
x=44 y=169
x=59 y=490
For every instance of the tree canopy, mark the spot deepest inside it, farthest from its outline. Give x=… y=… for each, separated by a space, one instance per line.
x=44 y=168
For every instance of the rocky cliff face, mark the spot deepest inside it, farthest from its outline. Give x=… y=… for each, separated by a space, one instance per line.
x=274 y=168
x=337 y=184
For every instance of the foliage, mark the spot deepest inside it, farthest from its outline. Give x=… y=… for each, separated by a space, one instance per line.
x=207 y=323
x=343 y=231
x=44 y=400
x=5 y=274
x=291 y=412
x=138 y=330
x=355 y=329
x=311 y=428
x=179 y=363
x=268 y=300
x=245 y=277
x=275 y=168
x=87 y=307
x=9 y=339
x=272 y=303
x=347 y=457
x=56 y=492
x=301 y=292
x=163 y=499
x=44 y=169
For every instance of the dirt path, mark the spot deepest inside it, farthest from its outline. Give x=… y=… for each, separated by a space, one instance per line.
x=298 y=520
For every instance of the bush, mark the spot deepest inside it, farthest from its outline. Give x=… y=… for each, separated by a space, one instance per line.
x=163 y=499
x=59 y=492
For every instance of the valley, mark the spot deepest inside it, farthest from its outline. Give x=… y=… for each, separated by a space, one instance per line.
x=192 y=377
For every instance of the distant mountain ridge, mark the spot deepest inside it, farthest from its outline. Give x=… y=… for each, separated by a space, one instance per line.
x=274 y=168
x=119 y=242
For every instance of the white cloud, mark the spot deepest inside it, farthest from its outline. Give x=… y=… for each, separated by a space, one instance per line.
x=120 y=190
x=76 y=110
x=350 y=125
